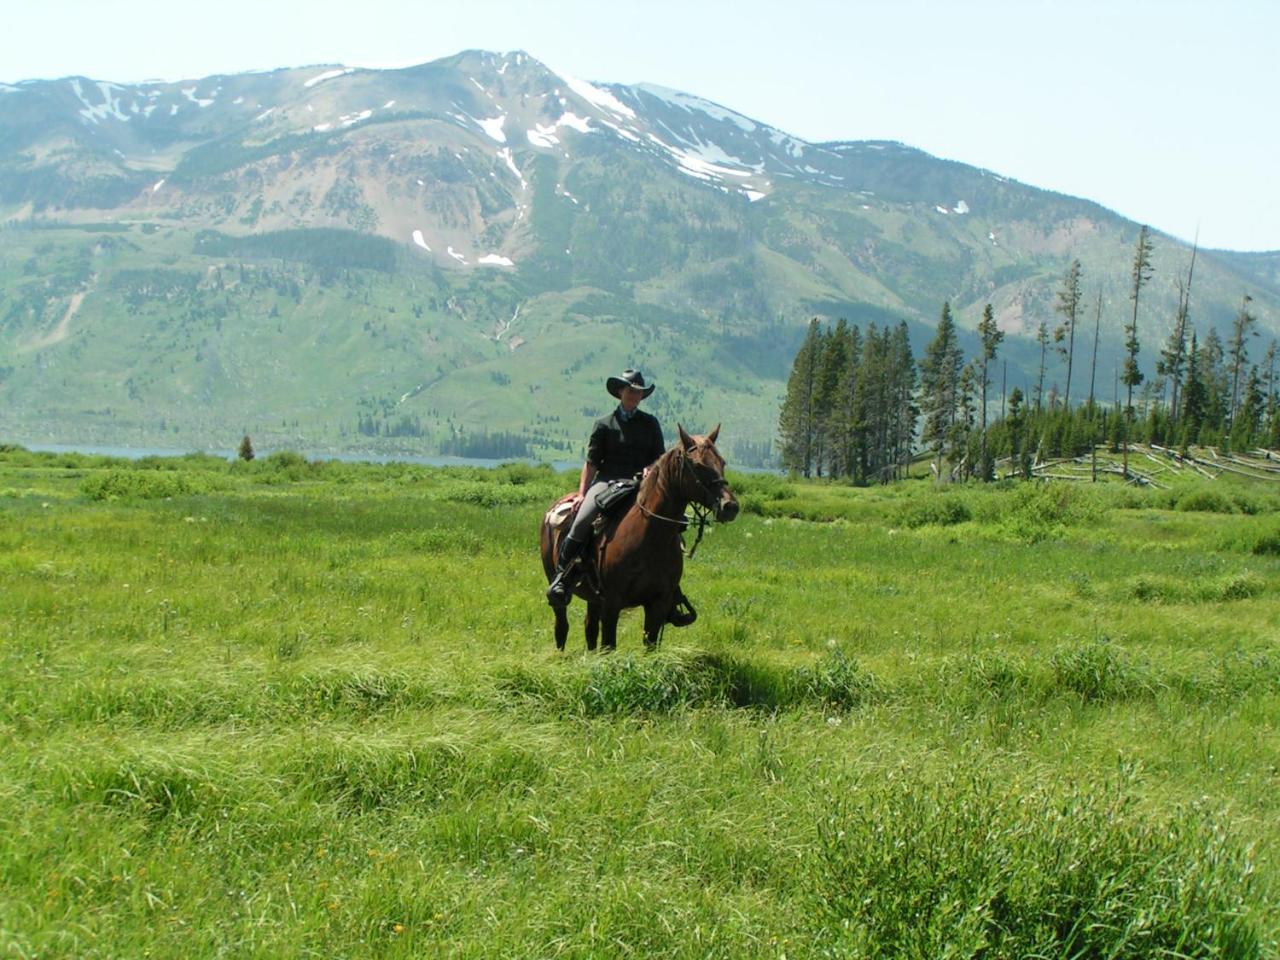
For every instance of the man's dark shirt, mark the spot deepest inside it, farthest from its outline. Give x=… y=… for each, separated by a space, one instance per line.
x=621 y=447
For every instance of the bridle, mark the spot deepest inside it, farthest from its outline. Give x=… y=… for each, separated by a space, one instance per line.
x=701 y=511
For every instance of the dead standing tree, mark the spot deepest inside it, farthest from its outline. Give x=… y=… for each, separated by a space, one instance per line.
x=1141 y=273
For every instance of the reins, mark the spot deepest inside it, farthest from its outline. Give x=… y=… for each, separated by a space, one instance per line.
x=701 y=513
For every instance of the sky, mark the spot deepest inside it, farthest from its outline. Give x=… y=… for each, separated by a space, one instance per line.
x=1166 y=111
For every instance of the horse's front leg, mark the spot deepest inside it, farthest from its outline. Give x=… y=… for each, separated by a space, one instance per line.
x=655 y=616
x=592 y=625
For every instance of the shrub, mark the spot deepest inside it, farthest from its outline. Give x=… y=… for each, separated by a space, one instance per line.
x=1044 y=511
x=1205 y=500
x=940 y=510
x=483 y=493
x=1267 y=544
x=1236 y=586
x=131 y=484
x=755 y=490
x=283 y=466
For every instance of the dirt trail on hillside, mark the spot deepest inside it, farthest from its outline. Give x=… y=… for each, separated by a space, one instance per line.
x=63 y=329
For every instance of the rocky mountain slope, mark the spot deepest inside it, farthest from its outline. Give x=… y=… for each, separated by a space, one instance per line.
x=454 y=255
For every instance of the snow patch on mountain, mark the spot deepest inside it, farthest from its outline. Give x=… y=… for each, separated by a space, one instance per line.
x=328 y=75
x=493 y=127
x=457 y=256
x=157 y=185
x=420 y=240
x=190 y=94
x=505 y=154
x=544 y=135
x=706 y=162
x=686 y=101
x=581 y=124
x=110 y=107
x=598 y=97
x=347 y=119
x=264 y=114
x=388 y=105
x=961 y=207
x=495 y=260
x=622 y=132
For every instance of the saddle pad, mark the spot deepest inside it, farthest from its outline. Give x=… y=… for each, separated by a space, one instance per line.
x=560 y=514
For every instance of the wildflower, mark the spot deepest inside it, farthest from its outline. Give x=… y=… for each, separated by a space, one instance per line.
x=398 y=928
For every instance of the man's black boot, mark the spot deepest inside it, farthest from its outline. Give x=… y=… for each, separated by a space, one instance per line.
x=566 y=572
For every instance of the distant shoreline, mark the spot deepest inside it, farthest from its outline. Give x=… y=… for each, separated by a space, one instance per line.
x=137 y=453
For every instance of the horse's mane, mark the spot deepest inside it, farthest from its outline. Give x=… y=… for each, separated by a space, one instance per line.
x=656 y=478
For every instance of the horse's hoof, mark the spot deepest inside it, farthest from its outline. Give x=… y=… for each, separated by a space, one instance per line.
x=682 y=614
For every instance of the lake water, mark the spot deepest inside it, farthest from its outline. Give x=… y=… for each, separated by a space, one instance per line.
x=137 y=453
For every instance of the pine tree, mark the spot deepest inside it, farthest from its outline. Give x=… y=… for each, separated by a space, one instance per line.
x=1194 y=397
x=1068 y=305
x=874 y=406
x=1242 y=327
x=1174 y=354
x=1248 y=419
x=844 y=409
x=834 y=356
x=990 y=336
x=966 y=417
x=1216 y=380
x=1269 y=384
x=246 y=448
x=1140 y=274
x=796 y=419
x=939 y=382
x=901 y=392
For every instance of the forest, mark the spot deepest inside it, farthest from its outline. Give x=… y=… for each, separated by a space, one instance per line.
x=855 y=400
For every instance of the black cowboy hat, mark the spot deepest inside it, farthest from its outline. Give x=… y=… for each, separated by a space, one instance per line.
x=629 y=378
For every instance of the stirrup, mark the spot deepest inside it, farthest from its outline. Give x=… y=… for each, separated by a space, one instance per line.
x=682 y=613
x=560 y=590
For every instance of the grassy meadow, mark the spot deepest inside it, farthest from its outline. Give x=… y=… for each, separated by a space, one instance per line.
x=293 y=709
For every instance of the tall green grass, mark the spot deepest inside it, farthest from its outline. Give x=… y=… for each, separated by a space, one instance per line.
x=297 y=709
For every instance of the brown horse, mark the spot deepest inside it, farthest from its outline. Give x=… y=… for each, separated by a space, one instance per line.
x=638 y=557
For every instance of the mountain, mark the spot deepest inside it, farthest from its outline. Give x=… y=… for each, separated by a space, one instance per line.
x=453 y=256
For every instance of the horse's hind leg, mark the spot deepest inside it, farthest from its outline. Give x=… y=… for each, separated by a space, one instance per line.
x=562 y=627
x=592 y=625
x=609 y=627
x=655 y=617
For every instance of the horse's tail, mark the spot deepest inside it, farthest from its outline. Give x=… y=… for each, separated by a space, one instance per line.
x=546 y=549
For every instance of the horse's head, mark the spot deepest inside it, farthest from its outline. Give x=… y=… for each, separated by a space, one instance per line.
x=703 y=475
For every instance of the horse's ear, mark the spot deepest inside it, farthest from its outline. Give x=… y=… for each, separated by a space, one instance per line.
x=686 y=441
x=714 y=433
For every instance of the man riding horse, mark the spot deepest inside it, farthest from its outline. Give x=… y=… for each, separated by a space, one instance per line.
x=622 y=445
